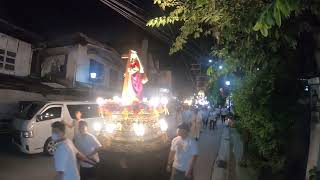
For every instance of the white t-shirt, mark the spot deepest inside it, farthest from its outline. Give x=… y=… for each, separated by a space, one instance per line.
x=65 y=160
x=185 y=149
x=87 y=143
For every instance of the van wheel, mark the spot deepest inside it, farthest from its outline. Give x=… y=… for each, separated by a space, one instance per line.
x=49 y=147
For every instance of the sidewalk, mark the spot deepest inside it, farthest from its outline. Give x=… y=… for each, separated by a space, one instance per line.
x=222 y=162
x=241 y=173
x=209 y=144
x=226 y=165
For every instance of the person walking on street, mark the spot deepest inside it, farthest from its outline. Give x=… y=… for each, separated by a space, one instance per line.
x=196 y=124
x=88 y=145
x=205 y=116
x=224 y=113
x=212 y=120
x=183 y=155
x=66 y=154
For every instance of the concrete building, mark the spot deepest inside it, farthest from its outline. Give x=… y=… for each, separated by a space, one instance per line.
x=15 y=56
x=78 y=61
x=55 y=70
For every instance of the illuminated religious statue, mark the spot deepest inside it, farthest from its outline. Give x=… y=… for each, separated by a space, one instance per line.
x=134 y=78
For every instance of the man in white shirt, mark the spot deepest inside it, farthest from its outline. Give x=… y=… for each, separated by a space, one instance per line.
x=66 y=154
x=88 y=145
x=183 y=154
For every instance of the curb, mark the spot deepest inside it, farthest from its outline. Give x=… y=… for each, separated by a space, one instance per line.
x=221 y=164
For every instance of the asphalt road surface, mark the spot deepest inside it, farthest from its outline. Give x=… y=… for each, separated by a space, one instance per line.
x=16 y=166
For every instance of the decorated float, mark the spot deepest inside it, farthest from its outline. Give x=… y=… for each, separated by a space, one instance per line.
x=131 y=123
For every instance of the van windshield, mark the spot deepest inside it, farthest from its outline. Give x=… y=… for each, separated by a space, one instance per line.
x=28 y=111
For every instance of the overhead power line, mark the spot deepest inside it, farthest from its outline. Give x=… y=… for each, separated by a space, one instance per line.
x=124 y=9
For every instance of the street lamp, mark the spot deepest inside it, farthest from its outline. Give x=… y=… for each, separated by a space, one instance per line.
x=220 y=67
x=228 y=83
x=93 y=75
x=210 y=60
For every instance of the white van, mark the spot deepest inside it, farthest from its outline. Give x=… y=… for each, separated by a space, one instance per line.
x=32 y=124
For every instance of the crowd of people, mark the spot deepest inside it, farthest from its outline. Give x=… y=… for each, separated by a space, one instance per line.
x=198 y=118
x=77 y=158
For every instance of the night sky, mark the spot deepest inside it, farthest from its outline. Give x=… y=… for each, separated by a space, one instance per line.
x=51 y=19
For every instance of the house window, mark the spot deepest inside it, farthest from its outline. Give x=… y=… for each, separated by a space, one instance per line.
x=9 y=67
x=7 y=60
x=98 y=69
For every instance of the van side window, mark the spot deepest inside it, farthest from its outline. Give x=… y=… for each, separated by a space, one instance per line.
x=51 y=113
x=87 y=110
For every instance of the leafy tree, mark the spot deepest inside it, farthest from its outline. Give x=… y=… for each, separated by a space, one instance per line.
x=260 y=40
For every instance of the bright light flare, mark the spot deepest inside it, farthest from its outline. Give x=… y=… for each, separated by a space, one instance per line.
x=110 y=127
x=144 y=99
x=100 y=101
x=188 y=102
x=228 y=83
x=154 y=101
x=97 y=126
x=116 y=99
x=163 y=125
x=164 y=100
x=93 y=75
x=138 y=129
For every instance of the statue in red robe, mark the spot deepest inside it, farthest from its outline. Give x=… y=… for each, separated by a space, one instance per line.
x=134 y=79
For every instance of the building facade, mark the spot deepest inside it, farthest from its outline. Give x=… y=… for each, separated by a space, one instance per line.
x=15 y=56
x=82 y=63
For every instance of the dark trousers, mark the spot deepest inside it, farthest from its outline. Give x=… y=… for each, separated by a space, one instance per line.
x=179 y=175
x=205 y=122
x=223 y=118
x=212 y=123
x=87 y=173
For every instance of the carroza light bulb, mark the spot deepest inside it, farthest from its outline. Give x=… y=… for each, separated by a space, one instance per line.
x=164 y=100
x=163 y=125
x=138 y=129
x=97 y=126
x=100 y=101
x=110 y=127
x=116 y=99
x=154 y=101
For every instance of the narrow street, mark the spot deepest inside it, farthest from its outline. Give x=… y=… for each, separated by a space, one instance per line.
x=209 y=144
x=39 y=166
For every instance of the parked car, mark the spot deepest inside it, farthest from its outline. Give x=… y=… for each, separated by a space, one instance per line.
x=32 y=124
